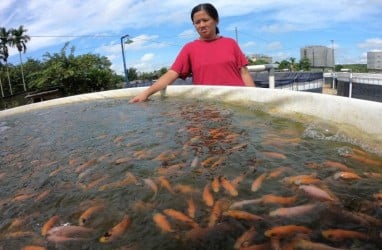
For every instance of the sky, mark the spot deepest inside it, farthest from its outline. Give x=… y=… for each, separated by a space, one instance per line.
x=159 y=28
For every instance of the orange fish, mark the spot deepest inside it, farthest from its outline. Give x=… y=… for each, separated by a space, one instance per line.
x=256 y=184
x=217 y=211
x=228 y=186
x=179 y=216
x=341 y=234
x=191 y=208
x=88 y=213
x=337 y=165
x=307 y=180
x=246 y=239
x=274 y=155
x=185 y=189
x=161 y=222
x=85 y=165
x=286 y=231
x=274 y=199
x=166 y=184
x=277 y=172
x=348 y=176
x=236 y=181
x=365 y=159
x=243 y=215
x=306 y=244
x=49 y=224
x=292 y=211
x=30 y=247
x=207 y=196
x=290 y=180
x=215 y=184
x=116 y=231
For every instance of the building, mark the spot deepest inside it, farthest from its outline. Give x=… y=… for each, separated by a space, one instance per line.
x=374 y=61
x=319 y=56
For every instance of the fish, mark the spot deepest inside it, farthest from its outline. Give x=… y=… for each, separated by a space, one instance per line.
x=286 y=231
x=246 y=239
x=306 y=180
x=122 y=160
x=31 y=247
x=191 y=208
x=295 y=179
x=240 y=204
x=207 y=196
x=166 y=184
x=179 y=216
x=256 y=184
x=316 y=192
x=261 y=246
x=208 y=161
x=185 y=189
x=218 y=162
x=307 y=244
x=162 y=222
x=365 y=159
x=116 y=231
x=292 y=211
x=347 y=176
x=152 y=185
x=277 y=172
x=341 y=234
x=49 y=224
x=243 y=215
x=215 y=184
x=85 y=165
x=275 y=199
x=216 y=212
x=88 y=213
x=238 y=179
x=337 y=165
x=70 y=232
x=228 y=186
x=274 y=155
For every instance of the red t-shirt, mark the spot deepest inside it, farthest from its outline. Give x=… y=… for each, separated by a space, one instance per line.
x=215 y=62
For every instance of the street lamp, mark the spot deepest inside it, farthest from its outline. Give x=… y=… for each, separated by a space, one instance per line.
x=128 y=41
x=334 y=66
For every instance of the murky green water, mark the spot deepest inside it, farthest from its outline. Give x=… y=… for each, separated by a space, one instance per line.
x=63 y=160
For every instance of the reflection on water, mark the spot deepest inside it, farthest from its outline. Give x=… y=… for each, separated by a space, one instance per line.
x=187 y=175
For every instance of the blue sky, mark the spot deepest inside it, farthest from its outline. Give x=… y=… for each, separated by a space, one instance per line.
x=159 y=28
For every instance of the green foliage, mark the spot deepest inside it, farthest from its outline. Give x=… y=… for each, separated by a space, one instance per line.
x=74 y=74
x=356 y=68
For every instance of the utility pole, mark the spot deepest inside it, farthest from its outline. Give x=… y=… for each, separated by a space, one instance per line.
x=334 y=66
x=237 y=39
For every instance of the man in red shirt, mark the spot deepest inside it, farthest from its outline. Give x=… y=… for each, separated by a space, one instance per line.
x=210 y=60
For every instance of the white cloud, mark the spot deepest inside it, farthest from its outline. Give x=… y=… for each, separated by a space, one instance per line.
x=371 y=44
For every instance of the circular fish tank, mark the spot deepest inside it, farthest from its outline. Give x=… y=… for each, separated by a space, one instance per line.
x=192 y=168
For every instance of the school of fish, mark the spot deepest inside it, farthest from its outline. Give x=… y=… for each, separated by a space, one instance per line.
x=200 y=203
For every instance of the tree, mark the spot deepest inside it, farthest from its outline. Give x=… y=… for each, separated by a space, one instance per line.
x=4 y=41
x=284 y=64
x=19 y=40
x=304 y=64
x=132 y=74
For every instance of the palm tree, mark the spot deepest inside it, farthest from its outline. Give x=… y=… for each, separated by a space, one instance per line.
x=19 y=39
x=4 y=41
x=1 y=83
